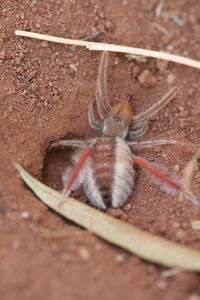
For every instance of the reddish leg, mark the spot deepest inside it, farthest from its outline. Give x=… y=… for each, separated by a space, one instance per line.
x=168 y=183
x=74 y=174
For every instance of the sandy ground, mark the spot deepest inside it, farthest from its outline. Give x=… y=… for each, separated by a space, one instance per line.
x=45 y=89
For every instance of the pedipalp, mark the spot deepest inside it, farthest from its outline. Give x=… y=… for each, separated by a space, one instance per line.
x=94 y=123
x=156 y=107
x=103 y=104
x=139 y=123
x=148 y=144
x=69 y=143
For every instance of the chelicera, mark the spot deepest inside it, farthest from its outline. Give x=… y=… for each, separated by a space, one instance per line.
x=105 y=165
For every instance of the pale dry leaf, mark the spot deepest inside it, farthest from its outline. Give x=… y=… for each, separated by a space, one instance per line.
x=139 y=242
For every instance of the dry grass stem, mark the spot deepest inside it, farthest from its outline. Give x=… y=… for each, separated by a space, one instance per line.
x=114 y=48
x=189 y=170
x=159 y=8
x=161 y=28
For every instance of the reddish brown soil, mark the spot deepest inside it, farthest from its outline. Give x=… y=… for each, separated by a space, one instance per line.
x=44 y=92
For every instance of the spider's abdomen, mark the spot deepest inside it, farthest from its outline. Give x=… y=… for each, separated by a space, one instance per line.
x=109 y=178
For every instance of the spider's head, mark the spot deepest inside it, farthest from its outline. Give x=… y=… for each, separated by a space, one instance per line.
x=118 y=121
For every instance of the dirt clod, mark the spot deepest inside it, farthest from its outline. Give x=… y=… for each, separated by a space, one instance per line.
x=84 y=253
x=135 y=71
x=3 y=54
x=162 y=64
x=147 y=79
x=120 y=258
x=171 y=78
x=195 y=225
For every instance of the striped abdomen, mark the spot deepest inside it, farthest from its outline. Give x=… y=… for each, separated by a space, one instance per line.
x=109 y=177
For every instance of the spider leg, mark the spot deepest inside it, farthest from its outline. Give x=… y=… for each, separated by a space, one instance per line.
x=68 y=143
x=152 y=110
x=168 y=183
x=103 y=104
x=138 y=131
x=148 y=144
x=94 y=123
x=71 y=180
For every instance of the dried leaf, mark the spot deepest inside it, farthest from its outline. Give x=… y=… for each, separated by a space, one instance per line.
x=141 y=243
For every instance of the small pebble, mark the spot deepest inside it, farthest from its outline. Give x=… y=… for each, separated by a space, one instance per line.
x=34 y=87
x=17 y=61
x=147 y=79
x=56 y=98
x=195 y=225
x=109 y=25
x=127 y=207
x=120 y=258
x=135 y=71
x=191 y=92
x=170 y=47
x=176 y=168
x=162 y=64
x=30 y=76
x=176 y=225
x=25 y=214
x=184 y=113
x=16 y=244
x=44 y=44
x=180 y=234
x=115 y=212
x=194 y=297
x=171 y=78
x=3 y=54
x=73 y=67
x=161 y=284
x=124 y=217
x=83 y=253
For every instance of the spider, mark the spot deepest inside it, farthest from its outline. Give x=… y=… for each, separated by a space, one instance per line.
x=105 y=165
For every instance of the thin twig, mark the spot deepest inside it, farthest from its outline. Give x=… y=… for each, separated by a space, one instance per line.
x=115 y=48
x=95 y=37
x=189 y=170
x=159 y=8
x=161 y=28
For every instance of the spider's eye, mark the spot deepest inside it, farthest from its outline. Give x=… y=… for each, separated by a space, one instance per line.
x=117 y=120
x=111 y=118
x=120 y=122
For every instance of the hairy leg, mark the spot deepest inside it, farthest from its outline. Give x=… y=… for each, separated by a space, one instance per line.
x=148 y=144
x=74 y=174
x=69 y=143
x=167 y=183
